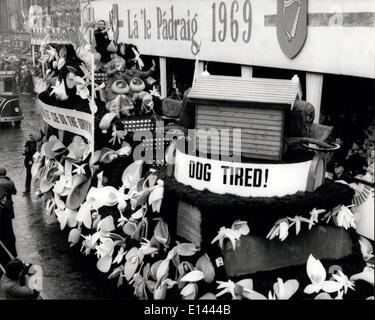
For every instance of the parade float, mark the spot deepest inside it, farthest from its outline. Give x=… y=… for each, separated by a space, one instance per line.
x=179 y=219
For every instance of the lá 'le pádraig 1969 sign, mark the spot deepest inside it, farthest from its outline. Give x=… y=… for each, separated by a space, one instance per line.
x=222 y=22
x=231 y=21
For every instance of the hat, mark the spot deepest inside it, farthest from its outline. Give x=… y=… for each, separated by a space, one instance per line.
x=63 y=185
x=132 y=174
x=77 y=150
x=150 y=81
x=54 y=148
x=50 y=176
x=107 y=196
x=95 y=159
x=112 y=47
x=12 y=59
x=338 y=163
x=3 y=172
x=108 y=155
x=120 y=87
x=137 y=85
x=78 y=192
x=106 y=121
x=126 y=106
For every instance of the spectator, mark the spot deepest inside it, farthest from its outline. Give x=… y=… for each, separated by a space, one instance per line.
x=102 y=41
x=24 y=80
x=115 y=67
x=28 y=152
x=7 y=189
x=13 y=284
x=355 y=161
x=133 y=71
x=338 y=155
x=340 y=173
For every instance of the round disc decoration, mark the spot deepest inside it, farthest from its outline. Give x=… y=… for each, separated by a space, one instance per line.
x=137 y=85
x=120 y=87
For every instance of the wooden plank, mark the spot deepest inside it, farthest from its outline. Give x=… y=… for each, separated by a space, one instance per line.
x=247 y=114
x=242 y=145
x=238 y=118
x=255 y=156
x=243 y=150
x=266 y=92
x=239 y=125
x=245 y=108
x=246 y=150
x=244 y=139
x=263 y=157
x=241 y=104
x=237 y=97
x=246 y=85
x=250 y=132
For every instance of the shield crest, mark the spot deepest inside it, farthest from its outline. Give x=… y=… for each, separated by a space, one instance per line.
x=291 y=26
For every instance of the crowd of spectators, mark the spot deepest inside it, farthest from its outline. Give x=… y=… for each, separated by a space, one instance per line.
x=18 y=59
x=356 y=136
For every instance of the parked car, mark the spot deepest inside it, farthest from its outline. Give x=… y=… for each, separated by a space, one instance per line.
x=10 y=109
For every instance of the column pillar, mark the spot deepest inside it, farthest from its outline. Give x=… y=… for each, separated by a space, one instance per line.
x=163 y=76
x=246 y=72
x=314 y=85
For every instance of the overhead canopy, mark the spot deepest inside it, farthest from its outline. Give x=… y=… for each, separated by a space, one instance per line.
x=256 y=90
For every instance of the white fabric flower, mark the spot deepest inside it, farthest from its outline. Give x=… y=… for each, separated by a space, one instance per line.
x=317 y=275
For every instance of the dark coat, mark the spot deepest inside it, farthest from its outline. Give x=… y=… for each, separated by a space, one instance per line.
x=7 y=189
x=29 y=150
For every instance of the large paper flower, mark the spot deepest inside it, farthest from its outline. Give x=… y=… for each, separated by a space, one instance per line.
x=161 y=232
x=156 y=196
x=105 y=252
x=280 y=229
x=285 y=290
x=366 y=275
x=314 y=216
x=90 y=242
x=59 y=90
x=342 y=216
x=317 y=275
x=234 y=233
x=133 y=258
x=205 y=265
x=297 y=221
x=344 y=281
x=74 y=236
x=227 y=287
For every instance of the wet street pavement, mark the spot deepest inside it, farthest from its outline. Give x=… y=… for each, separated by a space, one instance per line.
x=67 y=273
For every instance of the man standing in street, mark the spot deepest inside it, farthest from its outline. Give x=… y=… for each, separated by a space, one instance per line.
x=28 y=152
x=7 y=189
